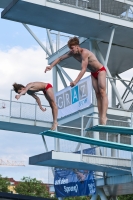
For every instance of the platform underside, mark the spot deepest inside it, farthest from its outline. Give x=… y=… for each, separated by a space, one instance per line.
x=69 y=20
x=23 y=125
x=118 y=179
x=69 y=160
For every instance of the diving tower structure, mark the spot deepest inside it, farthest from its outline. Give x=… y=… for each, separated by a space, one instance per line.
x=104 y=27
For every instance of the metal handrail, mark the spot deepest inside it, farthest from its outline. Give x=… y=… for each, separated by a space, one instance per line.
x=20 y=111
x=98 y=8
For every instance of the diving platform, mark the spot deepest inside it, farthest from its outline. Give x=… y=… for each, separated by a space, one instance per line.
x=86 y=140
x=23 y=125
x=88 y=162
x=120 y=184
x=112 y=129
x=69 y=18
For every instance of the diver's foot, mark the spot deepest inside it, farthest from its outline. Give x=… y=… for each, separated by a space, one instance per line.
x=54 y=126
x=103 y=121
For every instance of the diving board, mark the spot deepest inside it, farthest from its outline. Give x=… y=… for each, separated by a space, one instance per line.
x=85 y=140
x=112 y=129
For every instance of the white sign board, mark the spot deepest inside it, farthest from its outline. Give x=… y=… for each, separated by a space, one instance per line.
x=72 y=99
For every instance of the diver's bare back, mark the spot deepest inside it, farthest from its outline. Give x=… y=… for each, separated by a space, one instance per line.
x=38 y=86
x=93 y=64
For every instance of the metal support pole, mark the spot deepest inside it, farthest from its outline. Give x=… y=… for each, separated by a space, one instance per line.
x=20 y=108
x=125 y=84
x=132 y=144
x=84 y=133
x=108 y=72
x=50 y=41
x=93 y=92
x=113 y=151
x=96 y=134
x=52 y=50
x=100 y=9
x=119 y=140
x=62 y=78
x=45 y=144
x=46 y=148
x=35 y=113
x=126 y=15
x=109 y=47
x=63 y=71
x=113 y=98
x=38 y=41
x=105 y=149
x=58 y=41
x=100 y=193
x=46 y=50
x=10 y=103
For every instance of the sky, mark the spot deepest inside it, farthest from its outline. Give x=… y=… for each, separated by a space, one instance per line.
x=22 y=60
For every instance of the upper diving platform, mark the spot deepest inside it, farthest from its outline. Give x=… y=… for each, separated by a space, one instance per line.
x=83 y=18
x=116 y=64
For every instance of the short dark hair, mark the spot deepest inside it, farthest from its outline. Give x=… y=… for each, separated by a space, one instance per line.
x=17 y=87
x=73 y=41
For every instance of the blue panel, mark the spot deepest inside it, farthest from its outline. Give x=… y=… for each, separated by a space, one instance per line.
x=112 y=129
x=85 y=140
x=75 y=94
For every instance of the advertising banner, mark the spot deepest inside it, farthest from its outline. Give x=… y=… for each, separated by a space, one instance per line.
x=72 y=99
x=74 y=182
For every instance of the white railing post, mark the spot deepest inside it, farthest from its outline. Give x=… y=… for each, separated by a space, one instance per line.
x=99 y=9
x=20 y=108
x=10 y=103
x=35 y=112
x=76 y=3
x=131 y=144
x=82 y=133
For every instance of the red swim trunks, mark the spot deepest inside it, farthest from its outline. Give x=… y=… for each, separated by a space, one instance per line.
x=47 y=87
x=95 y=74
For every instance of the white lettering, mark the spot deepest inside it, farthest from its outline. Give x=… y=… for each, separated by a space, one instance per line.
x=75 y=95
x=67 y=99
x=60 y=102
x=71 y=189
x=83 y=91
x=61 y=181
x=81 y=103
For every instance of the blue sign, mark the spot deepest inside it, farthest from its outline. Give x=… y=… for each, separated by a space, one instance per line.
x=75 y=94
x=74 y=182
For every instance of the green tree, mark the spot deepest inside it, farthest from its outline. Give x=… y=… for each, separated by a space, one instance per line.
x=32 y=187
x=4 y=184
x=78 y=198
x=126 y=197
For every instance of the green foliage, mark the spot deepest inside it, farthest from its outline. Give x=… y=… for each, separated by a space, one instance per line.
x=32 y=187
x=4 y=184
x=126 y=197
x=78 y=198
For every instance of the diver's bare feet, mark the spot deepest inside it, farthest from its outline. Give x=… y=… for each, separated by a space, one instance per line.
x=103 y=121
x=54 y=126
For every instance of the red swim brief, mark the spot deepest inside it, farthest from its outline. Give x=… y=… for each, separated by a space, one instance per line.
x=47 y=87
x=95 y=74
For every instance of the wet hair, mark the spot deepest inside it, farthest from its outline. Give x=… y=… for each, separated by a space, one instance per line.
x=17 y=87
x=73 y=41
